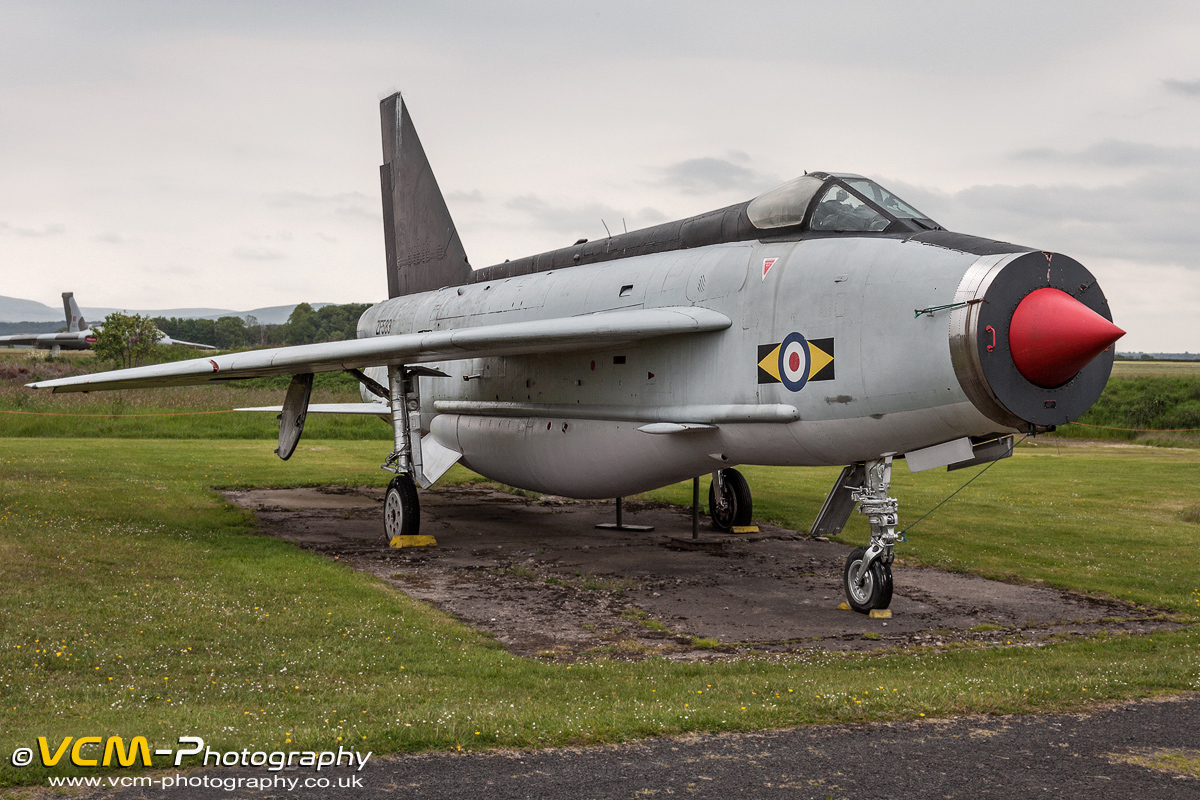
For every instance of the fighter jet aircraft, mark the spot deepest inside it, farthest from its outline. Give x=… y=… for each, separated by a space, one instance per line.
x=825 y=322
x=78 y=336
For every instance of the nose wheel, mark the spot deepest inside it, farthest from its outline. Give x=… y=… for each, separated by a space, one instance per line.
x=868 y=585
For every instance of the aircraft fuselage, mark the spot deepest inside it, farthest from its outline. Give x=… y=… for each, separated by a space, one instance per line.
x=875 y=377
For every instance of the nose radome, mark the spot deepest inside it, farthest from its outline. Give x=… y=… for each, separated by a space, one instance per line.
x=1053 y=336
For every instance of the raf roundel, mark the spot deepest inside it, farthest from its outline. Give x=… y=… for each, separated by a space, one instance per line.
x=794 y=362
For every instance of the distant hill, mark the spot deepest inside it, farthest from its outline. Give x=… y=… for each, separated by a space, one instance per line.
x=15 y=309
x=8 y=328
x=1160 y=356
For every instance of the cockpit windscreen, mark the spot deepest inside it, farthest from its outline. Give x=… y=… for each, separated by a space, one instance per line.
x=838 y=210
x=885 y=199
x=837 y=203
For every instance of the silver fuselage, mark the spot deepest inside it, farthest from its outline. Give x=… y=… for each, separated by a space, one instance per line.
x=569 y=424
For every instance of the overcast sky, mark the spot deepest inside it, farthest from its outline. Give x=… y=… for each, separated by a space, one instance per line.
x=225 y=154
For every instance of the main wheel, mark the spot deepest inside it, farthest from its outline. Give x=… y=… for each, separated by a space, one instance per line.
x=735 y=506
x=876 y=588
x=401 y=509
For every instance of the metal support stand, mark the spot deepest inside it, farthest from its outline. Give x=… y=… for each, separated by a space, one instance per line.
x=881 y=510
x=696 y=507
x=695 y=542
x=620 y=525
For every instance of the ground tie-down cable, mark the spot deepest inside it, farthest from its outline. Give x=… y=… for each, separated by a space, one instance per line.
x=1137 y=430
x=904 y=538
x=164 y=414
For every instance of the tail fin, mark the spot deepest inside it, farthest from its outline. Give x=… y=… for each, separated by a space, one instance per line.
x=423 y=248
x=75 y=320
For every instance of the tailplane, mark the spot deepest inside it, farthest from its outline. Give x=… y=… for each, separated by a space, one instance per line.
x=75 y=320
x=423 y=248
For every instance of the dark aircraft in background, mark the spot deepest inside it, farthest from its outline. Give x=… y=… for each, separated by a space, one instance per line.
x=78 y=336
x=825 y=322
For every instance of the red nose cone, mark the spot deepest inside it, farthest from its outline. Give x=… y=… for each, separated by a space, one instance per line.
x=1053 y=336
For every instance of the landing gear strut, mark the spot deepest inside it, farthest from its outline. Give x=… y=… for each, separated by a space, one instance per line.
x=401 y=508
x=729 y=501
x=867 y=575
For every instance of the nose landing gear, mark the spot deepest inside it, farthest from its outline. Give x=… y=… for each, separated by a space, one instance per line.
x=867 y=574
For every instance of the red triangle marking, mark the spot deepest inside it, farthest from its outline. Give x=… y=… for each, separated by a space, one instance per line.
x=767 y=264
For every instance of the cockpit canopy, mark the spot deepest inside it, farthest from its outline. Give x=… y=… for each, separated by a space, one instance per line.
x=839 y=203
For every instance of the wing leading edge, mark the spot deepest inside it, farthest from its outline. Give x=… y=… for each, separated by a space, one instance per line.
x=19 y=339
x=515 y=338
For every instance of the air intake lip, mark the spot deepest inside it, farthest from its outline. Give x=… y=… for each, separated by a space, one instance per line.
x=1053 y=336
x=1041 y=367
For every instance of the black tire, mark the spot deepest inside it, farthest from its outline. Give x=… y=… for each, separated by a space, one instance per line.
x=738 y=508
x=401 y=509
x=876 y=591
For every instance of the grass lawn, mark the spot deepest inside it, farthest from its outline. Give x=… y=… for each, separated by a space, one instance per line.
x=136 y=602
x=180 y=412
x=1124 y=369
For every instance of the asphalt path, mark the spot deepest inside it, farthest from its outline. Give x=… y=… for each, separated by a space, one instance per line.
x=1046 y=755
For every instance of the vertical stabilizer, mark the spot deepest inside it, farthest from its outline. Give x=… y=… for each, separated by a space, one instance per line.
x=75 y=320
x=423 y=248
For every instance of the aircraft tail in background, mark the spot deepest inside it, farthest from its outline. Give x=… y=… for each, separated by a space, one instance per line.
x=75 y=320
x=423 y=249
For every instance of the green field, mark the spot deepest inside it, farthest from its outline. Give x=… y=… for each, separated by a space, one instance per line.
x=183 y=412
x=1175 y=369
x=1158 y=408
x=137 y=602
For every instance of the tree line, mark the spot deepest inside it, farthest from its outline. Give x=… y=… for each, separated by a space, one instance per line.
x=304 y=326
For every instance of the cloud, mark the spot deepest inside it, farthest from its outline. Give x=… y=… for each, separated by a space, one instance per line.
x=292 y=199
x=258 y=254
x=51 y=229
x=1145 y=218
x=1148 y=219
x=474 y=196
x=577 y=221
x=1185 y=88
x=1117 y=153
x=708 y=175
x=373 y=214
x=353 y=205
x=111 y=237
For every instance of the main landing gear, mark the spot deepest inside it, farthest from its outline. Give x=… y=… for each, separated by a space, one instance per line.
x=729 y=501
x=401 y=508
